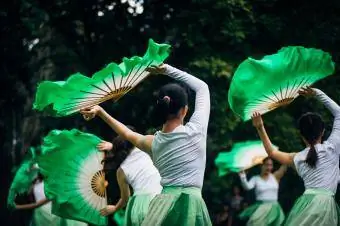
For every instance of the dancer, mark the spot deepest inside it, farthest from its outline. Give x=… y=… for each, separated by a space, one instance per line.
x=266 y=210
x=42 y=215
x=133 y=167
x=178 y=151
x=317 y=164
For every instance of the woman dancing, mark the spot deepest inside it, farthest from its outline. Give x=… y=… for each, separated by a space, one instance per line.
x=178 y=151
x=317 y=165
x=266 y=210
x=132 y=167
x=42 y=215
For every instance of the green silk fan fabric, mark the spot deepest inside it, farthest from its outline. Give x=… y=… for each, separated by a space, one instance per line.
x=274 y=81
x=242 y=156
x=63 y=98
x=74 y=180
x=22 y=181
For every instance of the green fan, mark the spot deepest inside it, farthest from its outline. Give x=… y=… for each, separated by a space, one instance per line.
x=274 y=81
x=74 y=177
x=242 y=156
x=22 y=181
x=112 y=82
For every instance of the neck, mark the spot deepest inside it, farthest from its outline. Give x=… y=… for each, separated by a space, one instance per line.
x=171 y=124
x=264 y=175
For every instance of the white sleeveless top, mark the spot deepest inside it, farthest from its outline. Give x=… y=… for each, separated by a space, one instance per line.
x=38 y=191
x=141 y=174
x=265 y=190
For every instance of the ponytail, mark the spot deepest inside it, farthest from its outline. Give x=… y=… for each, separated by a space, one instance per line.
x=312 y=157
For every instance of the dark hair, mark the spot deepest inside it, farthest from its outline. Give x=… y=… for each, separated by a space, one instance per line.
x=120 y=150
x=311 y=127
x=170 y=99
x=266 y=159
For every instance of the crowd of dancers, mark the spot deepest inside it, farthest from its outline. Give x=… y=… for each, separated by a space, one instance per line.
x=167 y=187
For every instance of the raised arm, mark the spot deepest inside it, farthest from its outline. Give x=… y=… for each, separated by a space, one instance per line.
x=335 y=110
x=247 y=185
x=282 y=157
x=202 y=101
x=280 y=172
x=140 y=141
x=124 y=195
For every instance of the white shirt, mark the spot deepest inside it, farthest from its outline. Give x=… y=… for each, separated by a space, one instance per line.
x=180 y=155
x=38 y=191
x=141 y=174
x=326 y=173
x=265 y=190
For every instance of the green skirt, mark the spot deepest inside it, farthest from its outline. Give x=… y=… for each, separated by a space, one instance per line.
x=263 y=214
x=315 y=207
x=137 y=209
x=178 y=206
x=42 y=216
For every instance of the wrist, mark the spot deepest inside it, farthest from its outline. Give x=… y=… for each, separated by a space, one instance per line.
x=260 y=127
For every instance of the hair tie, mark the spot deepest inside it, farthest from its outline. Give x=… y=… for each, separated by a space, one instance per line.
x=166 y=99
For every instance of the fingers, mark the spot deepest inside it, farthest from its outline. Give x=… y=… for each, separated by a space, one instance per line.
x=255 y=115
x=103 y=212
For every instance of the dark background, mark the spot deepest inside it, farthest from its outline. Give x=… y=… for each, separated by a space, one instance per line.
x=49 y=40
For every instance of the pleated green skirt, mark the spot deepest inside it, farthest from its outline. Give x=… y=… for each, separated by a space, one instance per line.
x=137 y=209
x=316 y=207
x=263 y=214
x=178 y=206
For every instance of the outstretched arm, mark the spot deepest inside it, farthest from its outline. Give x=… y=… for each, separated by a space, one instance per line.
x=280 y=172
x=140 y=141
x=247 y=185
x=282 y=157
x=32 y=205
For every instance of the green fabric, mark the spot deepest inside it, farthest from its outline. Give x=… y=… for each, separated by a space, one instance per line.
x=263 y=214
x=314 y=208
x=242 y=156
x=22 y=181
x=119 y=217
x=178 y=206
x=263 y=85
x=42 y=216
x=137 y=208
x=69 y=161
x=63 y=98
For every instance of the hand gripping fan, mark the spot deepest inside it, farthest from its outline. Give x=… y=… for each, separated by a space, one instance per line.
x=63 y=98
x=22 y=181
x=74 y=177
x=274 y=81
x=242 y=156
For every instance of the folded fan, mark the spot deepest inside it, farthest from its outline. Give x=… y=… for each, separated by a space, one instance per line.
x=74 y=178
x=274 y=81
x=242 y=156
x=63 y=98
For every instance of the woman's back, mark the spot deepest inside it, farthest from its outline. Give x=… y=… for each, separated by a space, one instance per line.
x=140 y=173
x=180 y=155
x=326 y=172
